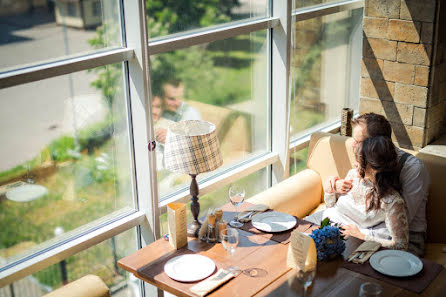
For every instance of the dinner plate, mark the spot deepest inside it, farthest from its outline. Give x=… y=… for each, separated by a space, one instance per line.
x=273 y=221
x=396 y=263
x=189 y=268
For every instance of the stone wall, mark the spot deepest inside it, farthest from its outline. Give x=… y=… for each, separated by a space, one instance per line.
x=403 y=68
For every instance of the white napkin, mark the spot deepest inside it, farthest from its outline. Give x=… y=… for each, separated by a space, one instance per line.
x=208 y=285
x=364 y=252
x=246 y=216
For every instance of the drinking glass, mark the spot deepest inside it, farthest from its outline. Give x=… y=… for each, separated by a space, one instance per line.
x=230 y=240
x=306 y=277
x=370 y=290
x=236 y=196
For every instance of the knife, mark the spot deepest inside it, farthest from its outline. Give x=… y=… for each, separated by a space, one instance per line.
x=246 y=215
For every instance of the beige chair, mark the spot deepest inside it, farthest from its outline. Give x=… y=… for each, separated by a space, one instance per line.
x=330 y=155
x=87 y=286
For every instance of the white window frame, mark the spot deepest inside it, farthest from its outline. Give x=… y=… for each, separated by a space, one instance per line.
x=135 y=55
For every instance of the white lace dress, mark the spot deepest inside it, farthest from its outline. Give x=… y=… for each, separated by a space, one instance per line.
x=351 y=209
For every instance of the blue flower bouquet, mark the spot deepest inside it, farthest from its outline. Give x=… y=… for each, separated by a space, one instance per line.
x=329 y=241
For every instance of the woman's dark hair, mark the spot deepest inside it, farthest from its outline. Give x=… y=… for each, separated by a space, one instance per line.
x=379 y=153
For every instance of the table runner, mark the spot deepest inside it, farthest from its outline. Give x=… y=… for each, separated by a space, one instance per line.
x=416 y=283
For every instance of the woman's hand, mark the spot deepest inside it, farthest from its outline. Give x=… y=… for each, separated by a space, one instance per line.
x=352 y=230
x=343 y=186
x=330 y=185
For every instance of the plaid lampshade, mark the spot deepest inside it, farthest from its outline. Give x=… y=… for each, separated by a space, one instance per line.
x=192 y=147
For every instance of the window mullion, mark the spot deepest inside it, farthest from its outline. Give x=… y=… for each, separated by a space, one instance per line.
x=140 y=109
x=281 y=42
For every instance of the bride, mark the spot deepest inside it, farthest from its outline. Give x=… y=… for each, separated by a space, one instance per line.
x=372 y=199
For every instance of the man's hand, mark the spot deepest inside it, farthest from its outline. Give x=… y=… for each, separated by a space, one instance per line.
x=352 y=230
x=160 y=135
x=343 y=186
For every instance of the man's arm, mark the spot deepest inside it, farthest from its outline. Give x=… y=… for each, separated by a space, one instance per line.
x=415 y=181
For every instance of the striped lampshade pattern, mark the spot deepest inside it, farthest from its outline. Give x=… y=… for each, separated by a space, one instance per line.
x=192 y=147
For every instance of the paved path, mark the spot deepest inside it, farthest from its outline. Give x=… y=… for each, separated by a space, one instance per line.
x=33 y=114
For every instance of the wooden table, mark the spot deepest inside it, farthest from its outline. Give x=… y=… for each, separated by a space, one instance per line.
x=266 y=258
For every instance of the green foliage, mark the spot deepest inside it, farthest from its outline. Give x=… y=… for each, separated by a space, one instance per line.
x=166 y=17
x=61 y=149
x=175 y=16
x=299 y=161
x=96 y=135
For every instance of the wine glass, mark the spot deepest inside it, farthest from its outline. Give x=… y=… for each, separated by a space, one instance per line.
x=230 y=239
x=236 y=196
x=370 y=290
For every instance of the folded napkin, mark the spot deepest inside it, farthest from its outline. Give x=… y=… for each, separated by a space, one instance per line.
x=364 y=252
x=245 y=216
x=211 y=283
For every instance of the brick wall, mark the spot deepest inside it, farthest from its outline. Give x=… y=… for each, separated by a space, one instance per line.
x=403 y=72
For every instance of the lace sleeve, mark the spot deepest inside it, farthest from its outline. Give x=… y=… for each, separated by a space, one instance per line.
x=351 y=174
x=396 y=223
x=330 y=199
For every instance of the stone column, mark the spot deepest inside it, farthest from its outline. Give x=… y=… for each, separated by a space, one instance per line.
x=403 y=70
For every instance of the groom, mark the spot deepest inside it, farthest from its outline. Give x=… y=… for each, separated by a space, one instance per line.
x=414 y=179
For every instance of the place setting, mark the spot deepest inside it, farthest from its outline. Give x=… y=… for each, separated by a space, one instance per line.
x=200 y=274
x=397 y=267
x=260 y=219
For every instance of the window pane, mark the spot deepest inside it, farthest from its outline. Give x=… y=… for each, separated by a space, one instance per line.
x=98 y=260
x=298 y=161
x=65 y=157
x=168 y=17
x=253 y=184
x=37 y=31
x=325 y=69
x=223 y=82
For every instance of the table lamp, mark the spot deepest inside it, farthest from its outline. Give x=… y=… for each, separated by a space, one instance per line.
x=192 y=148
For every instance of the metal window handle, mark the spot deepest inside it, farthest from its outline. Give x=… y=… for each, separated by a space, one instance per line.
x=151 y=146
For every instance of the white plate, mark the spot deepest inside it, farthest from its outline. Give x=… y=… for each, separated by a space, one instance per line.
x=396 y=263
x=273 y=221
x=189 y=268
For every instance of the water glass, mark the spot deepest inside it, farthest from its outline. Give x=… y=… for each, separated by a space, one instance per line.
x=306 y=277
x=370 y=290
x=230 y=239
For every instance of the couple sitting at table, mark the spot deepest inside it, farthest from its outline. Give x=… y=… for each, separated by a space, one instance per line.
x=384 y=198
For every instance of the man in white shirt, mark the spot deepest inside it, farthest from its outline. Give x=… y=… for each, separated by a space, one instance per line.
x=414 y=180
x=175 y=109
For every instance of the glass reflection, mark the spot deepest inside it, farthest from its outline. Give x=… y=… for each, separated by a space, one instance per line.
x=223 y=82
x=38 y=31
x=325 y=69
x=65 y=158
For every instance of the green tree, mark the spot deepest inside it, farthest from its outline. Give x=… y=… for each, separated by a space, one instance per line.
x=165 y=17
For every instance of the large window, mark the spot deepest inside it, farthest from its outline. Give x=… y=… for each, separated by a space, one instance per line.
x=68 y=161
x=324 y=69
x=86 y=86
x=223 y=82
